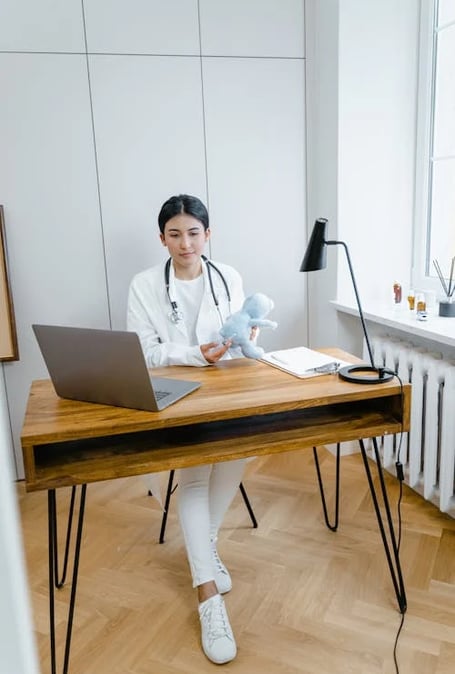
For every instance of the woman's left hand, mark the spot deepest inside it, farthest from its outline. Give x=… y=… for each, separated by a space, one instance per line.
x=213 y=351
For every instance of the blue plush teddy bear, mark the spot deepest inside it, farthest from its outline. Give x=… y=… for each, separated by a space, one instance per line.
x=238 y=325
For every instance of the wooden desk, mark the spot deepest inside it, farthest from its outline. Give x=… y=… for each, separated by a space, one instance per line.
x=243 y=408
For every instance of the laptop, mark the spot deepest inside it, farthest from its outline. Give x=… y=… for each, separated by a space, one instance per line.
x=107 y=367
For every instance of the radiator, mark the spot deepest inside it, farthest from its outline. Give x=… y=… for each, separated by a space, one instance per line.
x=427 y=452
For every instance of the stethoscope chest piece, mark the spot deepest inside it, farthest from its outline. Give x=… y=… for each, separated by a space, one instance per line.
x=175 y=316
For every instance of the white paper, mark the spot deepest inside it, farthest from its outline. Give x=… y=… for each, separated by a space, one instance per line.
x=303 y=362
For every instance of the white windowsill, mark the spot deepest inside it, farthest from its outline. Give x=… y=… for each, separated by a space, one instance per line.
x=435 y=328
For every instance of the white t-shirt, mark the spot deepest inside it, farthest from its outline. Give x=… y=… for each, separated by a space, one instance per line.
x=189 y=298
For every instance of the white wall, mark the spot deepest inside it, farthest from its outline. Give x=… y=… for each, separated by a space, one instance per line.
x=17 y=646
x=113 y=107
x=366 y=53
x=378 y=68
x=322 y=158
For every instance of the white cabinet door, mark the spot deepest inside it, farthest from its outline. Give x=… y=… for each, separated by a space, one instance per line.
x=41 y=26
x=142 y=27
x=150 y=145
x=255 y=128
x=49 y=193
x=252 y=28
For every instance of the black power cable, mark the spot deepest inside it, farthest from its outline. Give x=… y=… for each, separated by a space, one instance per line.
x=400 y=476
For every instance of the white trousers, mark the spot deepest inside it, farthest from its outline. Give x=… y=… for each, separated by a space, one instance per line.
x=204 y=495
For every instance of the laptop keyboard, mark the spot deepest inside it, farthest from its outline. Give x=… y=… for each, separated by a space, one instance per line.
x=159 y=395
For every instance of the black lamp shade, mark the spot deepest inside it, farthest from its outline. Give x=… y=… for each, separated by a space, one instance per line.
x=316 y=253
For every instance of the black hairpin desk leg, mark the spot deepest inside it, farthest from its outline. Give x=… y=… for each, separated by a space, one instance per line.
x=391 y=549
x=53 y=569
x=334 y=526
x=59 y=583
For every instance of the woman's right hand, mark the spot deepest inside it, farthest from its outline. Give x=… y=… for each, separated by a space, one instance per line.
x=213 y=351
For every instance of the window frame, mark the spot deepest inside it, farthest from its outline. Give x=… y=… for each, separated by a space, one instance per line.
x=423 y=277
x=425 y=92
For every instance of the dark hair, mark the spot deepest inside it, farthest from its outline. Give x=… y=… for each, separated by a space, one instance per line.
x=183 y=203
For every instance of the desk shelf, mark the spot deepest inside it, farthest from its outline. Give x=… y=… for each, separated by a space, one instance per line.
x=60 y=464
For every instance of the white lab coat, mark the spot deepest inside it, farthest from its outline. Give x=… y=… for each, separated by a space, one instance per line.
x=165 y=342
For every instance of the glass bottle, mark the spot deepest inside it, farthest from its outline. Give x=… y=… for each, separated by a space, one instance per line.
x=411 y=300
x=420 y=303
x=397 y=292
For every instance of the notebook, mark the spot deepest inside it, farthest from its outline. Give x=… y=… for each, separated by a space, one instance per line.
x=107 y=367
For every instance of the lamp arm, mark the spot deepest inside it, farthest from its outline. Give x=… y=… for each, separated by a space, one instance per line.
x=359 y=306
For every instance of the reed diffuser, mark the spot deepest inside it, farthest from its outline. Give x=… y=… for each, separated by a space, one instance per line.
x=447 y=305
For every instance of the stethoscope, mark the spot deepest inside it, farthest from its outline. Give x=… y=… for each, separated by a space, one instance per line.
x=175 y=315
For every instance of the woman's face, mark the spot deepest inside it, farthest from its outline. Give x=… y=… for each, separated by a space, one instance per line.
x=185 y=238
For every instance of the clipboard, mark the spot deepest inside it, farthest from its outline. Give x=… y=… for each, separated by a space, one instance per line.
x=303 y=362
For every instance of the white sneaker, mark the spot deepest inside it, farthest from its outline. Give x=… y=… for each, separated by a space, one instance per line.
x=218 y=641
x=222 y=576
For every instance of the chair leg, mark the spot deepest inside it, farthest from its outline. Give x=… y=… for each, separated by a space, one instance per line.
x=248 y=505
x=170 y=490
x=169 y=493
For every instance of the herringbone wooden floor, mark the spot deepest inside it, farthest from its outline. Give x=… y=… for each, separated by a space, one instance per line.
x=305 y=600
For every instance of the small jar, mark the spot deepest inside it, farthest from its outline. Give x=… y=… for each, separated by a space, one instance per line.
x=397 y=292
x=421 y=305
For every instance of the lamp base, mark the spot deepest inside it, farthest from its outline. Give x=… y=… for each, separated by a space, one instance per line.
x=367 y=374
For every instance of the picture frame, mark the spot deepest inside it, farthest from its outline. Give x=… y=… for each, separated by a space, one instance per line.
x=8 y=336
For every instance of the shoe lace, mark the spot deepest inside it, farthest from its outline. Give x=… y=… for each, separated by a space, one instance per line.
x=219 y=564
x=215 y=620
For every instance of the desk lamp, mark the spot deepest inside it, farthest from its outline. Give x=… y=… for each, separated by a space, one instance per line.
x=316 y=258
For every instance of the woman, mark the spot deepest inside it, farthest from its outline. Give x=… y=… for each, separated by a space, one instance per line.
x=177 y=309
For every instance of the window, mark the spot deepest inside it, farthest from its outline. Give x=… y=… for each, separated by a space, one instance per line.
x=435 y=185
